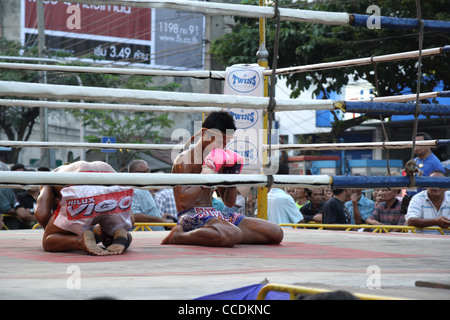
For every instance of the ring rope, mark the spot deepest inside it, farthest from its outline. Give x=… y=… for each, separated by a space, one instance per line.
x=218 y=74
x=166 y=180
x=304 y=147
x=52 y=91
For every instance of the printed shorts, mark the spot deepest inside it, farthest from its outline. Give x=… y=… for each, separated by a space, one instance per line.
x=197 y=217
x=84 y=206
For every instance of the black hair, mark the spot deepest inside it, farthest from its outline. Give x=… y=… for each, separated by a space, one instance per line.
x=425 y=135
x=337 y=191
x=17 y=166
x=219 y=120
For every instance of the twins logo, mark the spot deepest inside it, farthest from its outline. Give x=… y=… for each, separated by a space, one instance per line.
x=245 y=149
x=243 y=81
x=89 y=207
x=244 y=118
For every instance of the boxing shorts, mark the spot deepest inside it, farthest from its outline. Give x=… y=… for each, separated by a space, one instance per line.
x=84 y=206
x=197 y=217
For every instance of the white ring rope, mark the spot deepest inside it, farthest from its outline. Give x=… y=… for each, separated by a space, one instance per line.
x=304 y=147
x=148 y=181
x=359 y=61
x=109 y=70
x=214 y=74
x=51 y=91
x=28 y=179
x=102 y=106
x=228 y=9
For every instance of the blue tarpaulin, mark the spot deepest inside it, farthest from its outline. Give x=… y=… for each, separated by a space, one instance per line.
x=246 y=293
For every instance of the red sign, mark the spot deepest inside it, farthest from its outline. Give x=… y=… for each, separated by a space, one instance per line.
x=101 y=20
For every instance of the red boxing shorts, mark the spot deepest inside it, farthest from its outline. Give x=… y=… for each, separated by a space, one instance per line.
x=197 y=217
x=84 y=206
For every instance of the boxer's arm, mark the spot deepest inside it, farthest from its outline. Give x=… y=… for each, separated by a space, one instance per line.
x=185 y=197
x=234 y=162
x=44 y=205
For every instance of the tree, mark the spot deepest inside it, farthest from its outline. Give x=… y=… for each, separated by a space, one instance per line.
x=17 y=122
x=307 y=43
x=127 y=127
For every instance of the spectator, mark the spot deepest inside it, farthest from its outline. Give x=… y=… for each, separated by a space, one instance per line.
x=7 y=201
x=300 y=196
x=166 y=202
x=334 y=210
x=327 y=194
x=3 y=166
x=250 y=203
x=376 y=196
x=359 y=207
x=389 y=210
x=425 y=160
x=312 y=211
x=25 y=205
x=281 y=207
x=17 y=167
x=430 y=207
x=144 y=207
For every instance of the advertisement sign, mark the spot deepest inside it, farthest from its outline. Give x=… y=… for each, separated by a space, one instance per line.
x=247 y=80
x=119 y=34
x=179 y=39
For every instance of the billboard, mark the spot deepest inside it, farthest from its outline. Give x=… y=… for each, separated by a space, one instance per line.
x=157 y=38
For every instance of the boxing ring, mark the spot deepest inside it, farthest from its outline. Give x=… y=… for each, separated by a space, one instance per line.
x=326 y=259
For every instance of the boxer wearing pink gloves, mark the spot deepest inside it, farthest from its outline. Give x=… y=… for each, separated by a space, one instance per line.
x=199 y=223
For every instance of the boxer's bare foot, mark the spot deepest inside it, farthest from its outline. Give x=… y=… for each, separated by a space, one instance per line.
x=170 y=239
x=122 y=240
x=90 y=246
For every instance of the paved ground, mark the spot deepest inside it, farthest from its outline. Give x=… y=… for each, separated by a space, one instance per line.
x=314 y=258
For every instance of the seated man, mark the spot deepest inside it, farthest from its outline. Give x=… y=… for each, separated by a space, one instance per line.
x=359 y=207
x=389 y=210
x=430 y=207
x=312 y=211
x=26 y=202
x=334 y=210
x=82 y=207
x=198 y=222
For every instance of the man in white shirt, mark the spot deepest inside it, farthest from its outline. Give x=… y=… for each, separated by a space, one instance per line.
x=281 y=207
x=430 y=207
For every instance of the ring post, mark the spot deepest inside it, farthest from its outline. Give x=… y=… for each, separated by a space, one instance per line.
x=263 y=61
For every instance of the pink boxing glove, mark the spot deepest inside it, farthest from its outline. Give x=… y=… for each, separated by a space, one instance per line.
x=214 y=161
x=234 y=162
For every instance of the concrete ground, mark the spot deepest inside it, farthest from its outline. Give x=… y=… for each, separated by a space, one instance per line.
x=379 y=264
